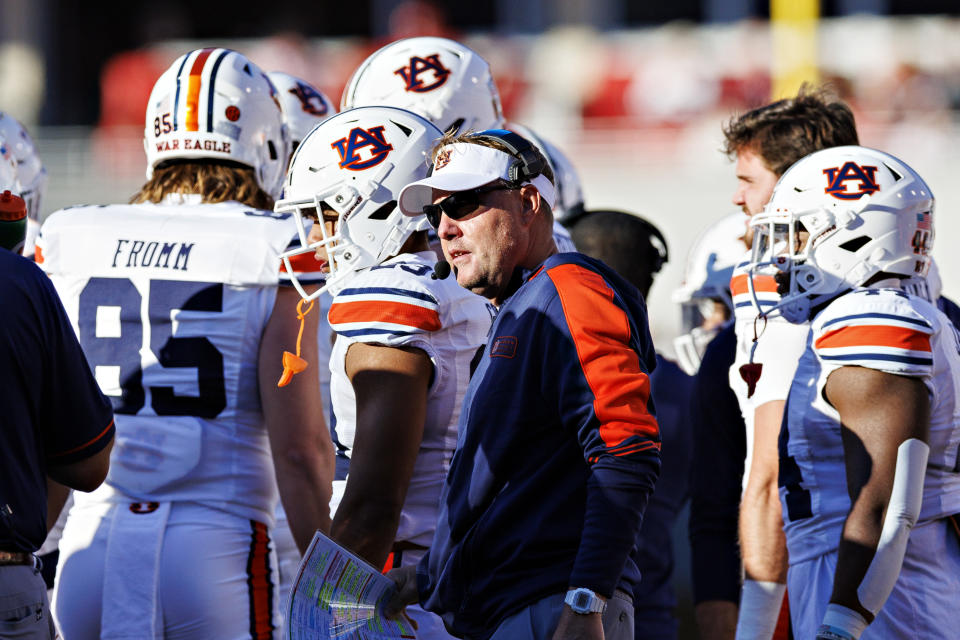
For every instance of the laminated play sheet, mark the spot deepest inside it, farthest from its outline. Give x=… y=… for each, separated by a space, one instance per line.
x=339 y=595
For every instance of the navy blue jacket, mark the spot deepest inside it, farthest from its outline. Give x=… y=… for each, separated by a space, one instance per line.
x=557 y=453
x=719 y=450
x=52 y=410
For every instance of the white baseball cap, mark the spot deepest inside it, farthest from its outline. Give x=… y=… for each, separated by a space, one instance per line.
x=463 y=166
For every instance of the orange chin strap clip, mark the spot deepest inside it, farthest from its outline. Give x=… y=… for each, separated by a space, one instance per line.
x=293 y=363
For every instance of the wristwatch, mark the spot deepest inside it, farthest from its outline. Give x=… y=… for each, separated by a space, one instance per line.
x=584 y=601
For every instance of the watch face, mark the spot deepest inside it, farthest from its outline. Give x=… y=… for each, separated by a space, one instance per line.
x=581 y=600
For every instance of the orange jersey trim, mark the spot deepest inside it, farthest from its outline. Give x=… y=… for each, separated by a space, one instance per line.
x=410 y=315
x=38 y=255
x=303 y=263
x=874 y=336
x=85 y=444
x=739 y=284
x=601 y=334
x=193 y=90
x=258 y=583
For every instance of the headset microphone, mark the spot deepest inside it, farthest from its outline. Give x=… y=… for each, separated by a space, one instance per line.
x=440 y=270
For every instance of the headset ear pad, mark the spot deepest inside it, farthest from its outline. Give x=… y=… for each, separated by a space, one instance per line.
x=529 y=165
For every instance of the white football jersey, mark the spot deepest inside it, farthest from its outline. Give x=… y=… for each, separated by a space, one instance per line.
x=398 y=304
x=887 y=330
x=169 y=302
x=774 y=343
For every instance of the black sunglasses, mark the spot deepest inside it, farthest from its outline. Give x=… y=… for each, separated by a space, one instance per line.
x=460 y=204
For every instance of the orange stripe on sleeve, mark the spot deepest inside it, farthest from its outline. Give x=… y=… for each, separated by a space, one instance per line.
x=258 y=583
x=85 y=444
x=875 y=336
x=383 y=311
x=601 y=334
x=193 y=90
x=739 y=284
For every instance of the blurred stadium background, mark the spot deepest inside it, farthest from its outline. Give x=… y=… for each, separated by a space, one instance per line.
x=634 y=91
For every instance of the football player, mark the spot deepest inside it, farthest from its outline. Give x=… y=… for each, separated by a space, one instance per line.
x=405 y=333
x=765 y=142
x=868 y=451
x=31 y=174
x=176 y=301
x=304 y=107
x=704 y=295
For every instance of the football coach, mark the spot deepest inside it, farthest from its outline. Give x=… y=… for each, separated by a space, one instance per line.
x=558 y=447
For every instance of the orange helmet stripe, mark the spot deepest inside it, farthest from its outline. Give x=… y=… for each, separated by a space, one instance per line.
x=193 y=90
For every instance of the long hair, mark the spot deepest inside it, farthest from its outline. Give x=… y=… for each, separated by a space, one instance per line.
x=214 y=181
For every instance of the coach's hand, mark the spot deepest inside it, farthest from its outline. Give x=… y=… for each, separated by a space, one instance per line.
x=575 y=626
x=406 y=594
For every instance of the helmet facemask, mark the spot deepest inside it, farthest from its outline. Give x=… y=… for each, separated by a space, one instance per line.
x=842 y=218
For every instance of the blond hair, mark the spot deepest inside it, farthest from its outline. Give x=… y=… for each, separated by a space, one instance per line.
x=214 y=181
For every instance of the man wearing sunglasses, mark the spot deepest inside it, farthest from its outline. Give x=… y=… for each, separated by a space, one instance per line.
x=558 y=446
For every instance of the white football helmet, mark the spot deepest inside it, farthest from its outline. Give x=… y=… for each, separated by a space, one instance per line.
x=8 y=170
x=216 y=104
x=303 y=105
x=31 y=175
x=706 y=282
x=444 y=81
x=356 y=163
x=569 y=205
x=837 y=218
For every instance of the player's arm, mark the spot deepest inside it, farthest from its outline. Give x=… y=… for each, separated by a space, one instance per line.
x=390 y=384
x=763 y=545
x=300 y=442
x=885 y=422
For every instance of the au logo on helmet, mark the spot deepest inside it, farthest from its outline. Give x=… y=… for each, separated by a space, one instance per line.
x=310 y=100
x=417 y=66
x=861 y=175
x=358 y=139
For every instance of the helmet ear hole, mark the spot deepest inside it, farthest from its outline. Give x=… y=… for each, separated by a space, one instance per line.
x=272 y=149
x=855 y=244
x=384 y=212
